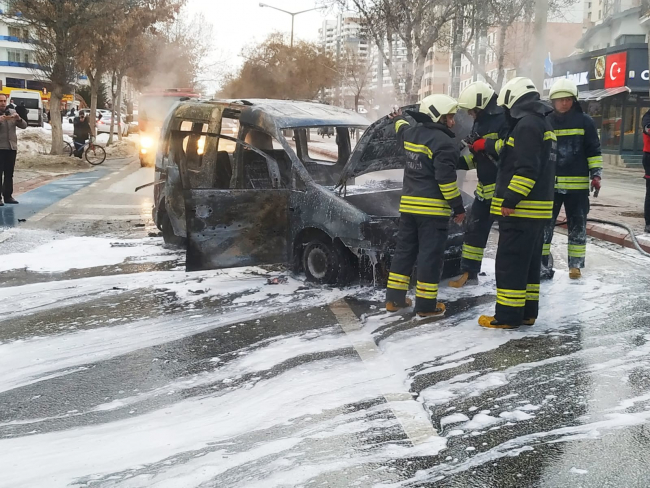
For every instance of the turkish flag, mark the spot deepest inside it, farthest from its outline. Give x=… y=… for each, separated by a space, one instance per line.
x=615 y=70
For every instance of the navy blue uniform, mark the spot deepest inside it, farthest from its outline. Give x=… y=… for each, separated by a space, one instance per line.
x=430 y=196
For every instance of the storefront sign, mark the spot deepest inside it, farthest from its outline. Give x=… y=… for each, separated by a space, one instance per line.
x=579 y=79
x=615 y=70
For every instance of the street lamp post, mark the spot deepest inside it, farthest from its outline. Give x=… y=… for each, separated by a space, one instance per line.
x=293 y=15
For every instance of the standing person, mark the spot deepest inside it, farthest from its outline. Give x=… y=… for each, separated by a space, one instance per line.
x=523 y=203
x=646 y=166
x=8 y=149
x=81 y=134
x=429 y=196
x=579 y=166
x=480 y=101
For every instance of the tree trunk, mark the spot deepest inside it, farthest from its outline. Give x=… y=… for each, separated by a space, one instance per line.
x=95 y=80
x=113 y=99
x=418 y=74
x=539 y=44
x=55 y=120
x=457 y=53
x=356 y=102
x=501 y=55
x=118 y=112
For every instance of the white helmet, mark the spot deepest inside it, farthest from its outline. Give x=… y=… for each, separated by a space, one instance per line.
x=476 y=96
x=514 y=90
x=563 y=88
x=435 y=106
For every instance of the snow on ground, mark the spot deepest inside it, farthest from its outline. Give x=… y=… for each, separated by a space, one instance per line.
x=259 y=429
x=85 y=252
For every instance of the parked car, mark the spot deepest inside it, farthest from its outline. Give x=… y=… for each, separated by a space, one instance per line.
x=252 y=199
x=33 y=103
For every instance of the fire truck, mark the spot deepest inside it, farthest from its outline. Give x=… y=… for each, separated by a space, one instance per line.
x=152 y=110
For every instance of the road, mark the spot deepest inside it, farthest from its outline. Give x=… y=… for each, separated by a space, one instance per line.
x=122 y=370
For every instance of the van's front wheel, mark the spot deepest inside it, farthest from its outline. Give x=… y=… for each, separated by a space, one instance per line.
x=326 y=262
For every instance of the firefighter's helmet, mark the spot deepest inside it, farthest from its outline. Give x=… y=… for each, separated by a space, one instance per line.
x=514 y=90
x=435 y=106
x=563 y=88
x=476 y=96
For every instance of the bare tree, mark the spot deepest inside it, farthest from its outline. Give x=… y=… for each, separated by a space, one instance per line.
x=355 y=73
x=414 y=24
x=58 y=28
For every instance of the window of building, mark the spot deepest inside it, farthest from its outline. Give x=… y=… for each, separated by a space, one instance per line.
x=15 y=82
x=630 y=39
x=612 y=121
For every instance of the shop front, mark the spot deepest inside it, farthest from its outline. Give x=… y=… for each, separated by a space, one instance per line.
x=613 y=88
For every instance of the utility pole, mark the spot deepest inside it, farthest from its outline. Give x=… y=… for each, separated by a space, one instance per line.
x=293 y=14
x=539 y=43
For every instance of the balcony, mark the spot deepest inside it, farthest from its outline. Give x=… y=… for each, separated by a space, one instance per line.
x=15 y=64
x=17 y=39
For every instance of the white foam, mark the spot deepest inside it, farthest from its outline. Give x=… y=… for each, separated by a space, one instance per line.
x=86 y=252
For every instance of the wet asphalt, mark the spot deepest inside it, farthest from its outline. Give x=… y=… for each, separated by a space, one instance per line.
x=223 y=380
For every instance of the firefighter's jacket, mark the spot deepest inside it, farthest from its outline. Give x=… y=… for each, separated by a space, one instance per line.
x=489 y=124
x=429 y=186
x=578 y=150
x=526 y=178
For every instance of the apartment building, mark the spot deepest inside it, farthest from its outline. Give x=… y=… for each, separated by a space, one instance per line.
x=561 y=38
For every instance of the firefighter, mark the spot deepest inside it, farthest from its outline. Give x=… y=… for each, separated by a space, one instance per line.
x=480 y=101
x=523 y=203
x=429 y=198
x=579 y=166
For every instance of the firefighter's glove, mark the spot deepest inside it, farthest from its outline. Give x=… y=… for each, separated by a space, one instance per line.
x=478 y=145
x=595 y=183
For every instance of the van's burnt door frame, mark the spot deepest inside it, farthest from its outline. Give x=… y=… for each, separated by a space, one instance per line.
x=231 y=228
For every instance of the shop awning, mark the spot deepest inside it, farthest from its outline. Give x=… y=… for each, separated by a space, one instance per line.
x=598 y=95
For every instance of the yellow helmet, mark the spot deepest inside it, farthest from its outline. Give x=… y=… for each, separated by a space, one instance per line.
x=563 y=88
x=435 y=106
x=476 y=95
x=514 y=90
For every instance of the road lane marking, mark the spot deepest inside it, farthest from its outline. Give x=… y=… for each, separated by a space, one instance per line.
x=410 y=413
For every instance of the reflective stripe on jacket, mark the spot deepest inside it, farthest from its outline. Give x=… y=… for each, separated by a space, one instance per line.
x=526 y=178
x=429 y=186
x=579 y=156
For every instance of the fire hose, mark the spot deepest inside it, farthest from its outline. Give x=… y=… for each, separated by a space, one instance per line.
x=630 y=231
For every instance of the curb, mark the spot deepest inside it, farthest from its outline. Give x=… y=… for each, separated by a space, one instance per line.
x=616 y=236
x=613 y=235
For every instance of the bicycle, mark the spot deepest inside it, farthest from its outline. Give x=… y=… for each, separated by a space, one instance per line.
x=93 y=153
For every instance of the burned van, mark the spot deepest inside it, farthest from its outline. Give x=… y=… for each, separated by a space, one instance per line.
x=250 y=182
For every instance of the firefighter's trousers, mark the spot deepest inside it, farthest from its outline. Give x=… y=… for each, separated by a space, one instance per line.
x=477 y=231
x=423 y=240
x=518 y=264
x=576 y=208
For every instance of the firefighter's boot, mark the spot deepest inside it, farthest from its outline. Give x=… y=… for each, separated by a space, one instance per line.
x=492 y=323
x=395 y=307
x=440 y=310
x=528 y=322
x=466 y=279
x=575 y=274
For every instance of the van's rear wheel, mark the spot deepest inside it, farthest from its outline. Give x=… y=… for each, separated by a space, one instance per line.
x=326 y=262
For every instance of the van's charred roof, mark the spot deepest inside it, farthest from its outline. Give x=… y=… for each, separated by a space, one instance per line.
x=287 y=114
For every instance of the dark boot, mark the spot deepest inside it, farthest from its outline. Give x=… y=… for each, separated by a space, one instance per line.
x=11 y=200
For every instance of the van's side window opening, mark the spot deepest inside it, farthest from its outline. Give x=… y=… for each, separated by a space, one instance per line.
x=255 y=171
